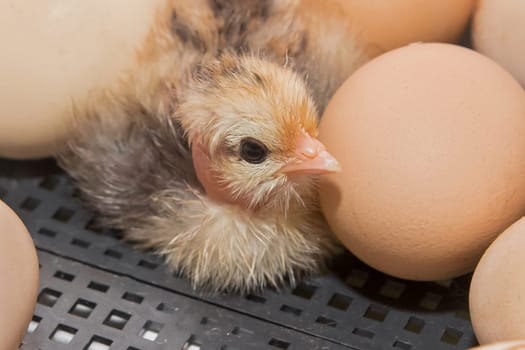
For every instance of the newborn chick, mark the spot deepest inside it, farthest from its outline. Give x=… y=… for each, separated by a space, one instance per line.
x=218 y=174
x=211 y=159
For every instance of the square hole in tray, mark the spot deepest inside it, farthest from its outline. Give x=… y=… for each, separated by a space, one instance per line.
x=414 y=325
x=305 y=291
x=462 y=314
x=256 y=298
x=401 y=345
x=48 y=297
x=326 y=321
x=279 y=344
x=76 y=193
x=191 y=344
x=63 y=334
x=47 y=232
x=99 y=287
x=115 y=234
x=376 y=313
x=451 y=336
x=113 y=254
x=357 y=278
x=363 y=333
x=82 y=308
x=134 y=298
x=291 y=310
x=340 y=301
x=33 y=325
x=117 y=319
x=430 y=301
x=167 y=308
x=93 y=226
x=63 y=214
x=49 y=183
x=147 y=264
x=240 y=330
x=150 y=331
x=80 y=243
x=445 y=283
x=30 y=203
x=98 y=343
x=392 y=289
x=64 y=276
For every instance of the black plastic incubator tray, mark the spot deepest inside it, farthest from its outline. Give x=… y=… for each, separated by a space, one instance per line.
x=98 y=293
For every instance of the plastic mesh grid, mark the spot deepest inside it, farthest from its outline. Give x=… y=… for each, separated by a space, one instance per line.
x=81 y=307
x=353 y=306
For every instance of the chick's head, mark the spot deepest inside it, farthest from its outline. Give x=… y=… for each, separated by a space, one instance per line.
x=252 y=125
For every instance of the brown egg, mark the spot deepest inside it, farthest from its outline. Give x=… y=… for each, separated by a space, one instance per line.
x=18 y=279
x=511 y=345
x=53 y=54
x=499 y=33
x=431 y=142
x=388 y=24
x=497 y=304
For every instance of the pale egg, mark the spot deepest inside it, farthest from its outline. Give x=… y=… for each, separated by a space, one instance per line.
x=498 y=31
x=510 y=345
x=18 y=278
x=54 y=52
x=497 y=303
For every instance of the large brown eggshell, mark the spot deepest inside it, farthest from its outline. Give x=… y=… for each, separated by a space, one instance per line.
x=431 y=140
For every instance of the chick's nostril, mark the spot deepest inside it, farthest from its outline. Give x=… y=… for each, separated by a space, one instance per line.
x=310 y=152
x=308 y=147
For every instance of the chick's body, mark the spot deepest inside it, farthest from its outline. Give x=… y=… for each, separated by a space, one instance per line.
x=207 y=152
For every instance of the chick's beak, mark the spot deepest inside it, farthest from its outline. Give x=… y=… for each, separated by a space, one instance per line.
x=310 y=157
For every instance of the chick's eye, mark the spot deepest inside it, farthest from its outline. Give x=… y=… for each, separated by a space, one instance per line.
x=253 y=151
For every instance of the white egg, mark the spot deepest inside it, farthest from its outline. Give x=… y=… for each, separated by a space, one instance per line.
x=54 y=52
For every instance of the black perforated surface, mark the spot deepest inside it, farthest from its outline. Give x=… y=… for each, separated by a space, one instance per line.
x=80 y=307
x=100 y=293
